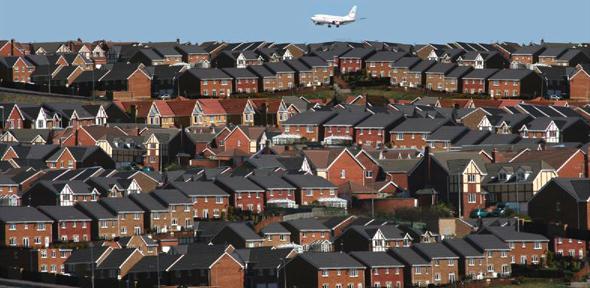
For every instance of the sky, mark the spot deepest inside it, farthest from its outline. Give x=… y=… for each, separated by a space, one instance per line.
x=405 y=21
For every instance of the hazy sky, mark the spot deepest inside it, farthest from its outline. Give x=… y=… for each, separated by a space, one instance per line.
x=407 y=21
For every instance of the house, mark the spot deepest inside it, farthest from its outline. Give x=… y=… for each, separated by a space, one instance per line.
x=291 y=106
x=83 y=260
x=555 y=80
x=568 y=162
x=244 y=81
x=207 y=265
x=208 y=112
x=264 y=264
x=555 y=201
x=526 y=55
x=179 y=208
x=471 y=260
x=446 y=137
x=126 y=81
x=445 y=268
x=435 y=76
x=239 y=235
x=145 y=272
x=476 y=81
x=69 y=223
x=169 y=114
x=496 y=255
x=303 y=73
x=339 y=130
x=379 y=65
x=303 y=127
x=165 y=79
x=244 y=194
x=163 y=146
x=129 y=215
x=267 y=80
x=482 y=59
x=315 y=189
x=423 y=51
x=580 y=83
x=104 y=222
x=525 y=248
x=211 y=82
x=278 y=192
x=375 y=238
x=353 y=61
x=413 y=132
x=374 y=130
x=16 y=69
x=25 y=227
x=157 y=216
x=400 y=68
x=555 y=129
x=208 y=199
x=79 y=157
x=169 y=54
x=118 y=263
x=416 y=75
x=275 y=235
x=515 y=83
x=382 y=269
x=307 y=231
x=59 y=193
x=418 y=271
x=11 y=48
x=337 y=165
x=324 y=270
x=321 y=71
x=148 y=57
x=454 y=80
x=285 y=75
x=194 y=55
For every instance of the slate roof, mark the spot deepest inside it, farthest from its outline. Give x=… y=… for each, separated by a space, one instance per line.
x=306 y=224
x=238 y=184
x=278 y=67
x=441 y=68
x=425 y=125
x=146 y=201
x=310 y=118
x=18 y=214
x=578 y=188
x=487 y=242
x=331 y=260
x=480 y=73
x=271 y=182
x=274 y=228
x=191 y=49
x=406 y=62
x=314 y=61
x=511 y=74
x=528 y=50
x=63 y=213
x=347 y=118
x=448 y=133
x=361 y=53
x=171 y=197
x=244 y=231
x=82 y=255
x=120 y=205
x=398 y=165
x=199 y=188
x=385 y=56
x=148 y=264
x=308 y=181
x=240 y=73
x=508 y=234
x=261 y=71
x=434 y=250
x=115 y=258
x=463 y=248
x=409 y=256
x=209 y=74
x=95 y=210
x=376 y=259
x=199 y=256
x=459 y=72
x=379 y=120
x=298 y=65
x=263 y=257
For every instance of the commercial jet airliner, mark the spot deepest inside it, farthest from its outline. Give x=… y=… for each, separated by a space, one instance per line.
x=322 y=19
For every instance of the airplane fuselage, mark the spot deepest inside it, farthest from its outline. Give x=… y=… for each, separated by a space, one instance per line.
x=322 y=19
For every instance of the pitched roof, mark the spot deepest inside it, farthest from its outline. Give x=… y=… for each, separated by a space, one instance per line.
x=425 y=125
x=376 y=259
x=238 y=184
x=347 y=118
x=310 y=118
x=199 y=188
x=120 y=205
x=271 y=182
x=410 y=256
x=434 y=250
x=308 y=181
x=95 y=210
x=511 y=74
x=149 y=264
x=171 y=197
x=481 y=73
x=17 y=214
x=240 y=73
x=463 y=248
x=508 y=234
x=63 y=213
x=209 y=74
x=306 y=224
x=486 y=242
x=116 y=258
x=330 y=260
x=578 y=188
x=199 y=256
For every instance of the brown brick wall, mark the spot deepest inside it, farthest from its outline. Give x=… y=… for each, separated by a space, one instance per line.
x=580 y=87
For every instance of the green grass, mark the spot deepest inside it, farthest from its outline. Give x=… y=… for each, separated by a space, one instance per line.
x=7 y=97
x=535 y=283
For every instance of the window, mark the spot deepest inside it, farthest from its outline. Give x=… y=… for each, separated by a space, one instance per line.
x=490 y=268
x=353 y=273
x=471 y=262
x=436 y=276
x=471 y=197
x=400 y=136
x=418 y=271
x=309 y=129
x=136 y=216
x=12 y=227
x=451 y=262
x=325 y=273
x=41 y=227
x=471 y=178
x=342 y=174
x=368 y=174
x=537 y=245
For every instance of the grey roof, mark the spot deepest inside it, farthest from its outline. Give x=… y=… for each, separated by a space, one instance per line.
x=361 y=53
x=199 y=188
x=298 y=65
x=271 y=182
x=275 y=228
x=422 y=66
x=330 y=260
x=511 y=74
x=120 y=72
x=459 y=72
x=120 y=205
x=82 y=255
x=454 y=162
x=424 y=125
x=63 y=213
x=448 y=133
x=208 y=74
x=199 y=256
x=307 y=224
x=148 y=264
x=95 y=210
x=529 y=50
x=496 y=139
x=347 y=118
x=385 y=56
x=191 y=49
x=278 y=67
x=308 y=181
x=462 y=248
x=434 y=250
x=553 y=52
x=376 y=259
x=379 y=120
x=171 y=197
x=244 y=231
x=406 y=62
x=441 y=68
x=508 y=234
x=398 y=165
x=486 y=242
x=261 y=71
x=472 y=137
x=116 y=258
x=239 y=73
x=313 y=61
x=263 y=257
x=310 y=118
x=17 y=214
x=578 y=188
x=167 y=51
x=238 y=184
x=481 y=73
x=146 y=201
x=409 y=256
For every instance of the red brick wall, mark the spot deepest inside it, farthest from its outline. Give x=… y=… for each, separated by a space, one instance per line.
x=383 y=276
x=218 y=86
x=30 y=232
x=399 y=75
x=338 y=131
x=350 y=65
x=280 y=194
x=344 y=278
x=209 y=203
x=580 y=87
x=227 y=273
x=237 y=141
x=63 y=160
x=575 y=167
x=434 y=80
x=139 y=85
x=303 y=198
x=564 y=245
x=15 y=118
x=370 y=165
x=285 y=81
x=473 y=86
x=322 y=76
x=524 y=59
x=517 y=250
x=81 y=228
x=502 y=87
x=193 y=59
x=306 y=238
x=246 y=85
x=370 y=137
x=243 y=199
x=379 y=69
x=353 y=170
x=408 y=140
x=302 y=131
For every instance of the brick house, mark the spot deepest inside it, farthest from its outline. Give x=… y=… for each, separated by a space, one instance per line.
x=245 y=139
x=59 y=193
x=170 y=114
x=374 y=130
x=11 y=48
x=375 y=238
x=476 y=81
x=445 y=268
x=25 y=227
x=306 y=126
x=208 y=112
x=508 y=83
x=244 y=194
x=267 y=80
x=69 y=223
x=126 y=81
x=400 y=68
x=454 y=80
x=312 y=189
x=446 y=137
x=275 y=234
x=324 y=270
x=482 y=59
x=145 y=272
x=157 y=217
x=16 y=69
x=379 y=65
x=278 y=192
x=416 y=76
x=306 y=232
x=580 y=83
x=194 y=55
x=435 y=76
x=79 y=157
x=320 y=70
x=209 y=201
x=179 y=208
x=303 y=73
x=568 y=162
x=382 y=269
x=344 y=168
x=496 y=254
x=81 y=261
x=244 y=81
x=117 y=263
x=353 y=61
x=413 y=132
x=555 y=201
x=207 y=265
x=339 y=130
x=555 y=129
x=526 y=55
x=104 y=222
x=425 y=50
x=418 y=271
x=263 y=265
x=211 y=82
x=239 y=235
x=130 y=216
x=525 y=248
x=569 y=247
x=285 y=75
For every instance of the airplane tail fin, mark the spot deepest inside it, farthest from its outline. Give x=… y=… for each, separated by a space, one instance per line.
x=352 y=13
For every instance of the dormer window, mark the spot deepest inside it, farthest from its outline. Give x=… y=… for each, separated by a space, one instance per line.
x=502 y=176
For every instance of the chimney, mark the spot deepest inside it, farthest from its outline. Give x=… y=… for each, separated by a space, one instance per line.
x=12 y=47
x=494 y=151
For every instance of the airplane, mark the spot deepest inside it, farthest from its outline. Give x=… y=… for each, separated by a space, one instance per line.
x=322 y=19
